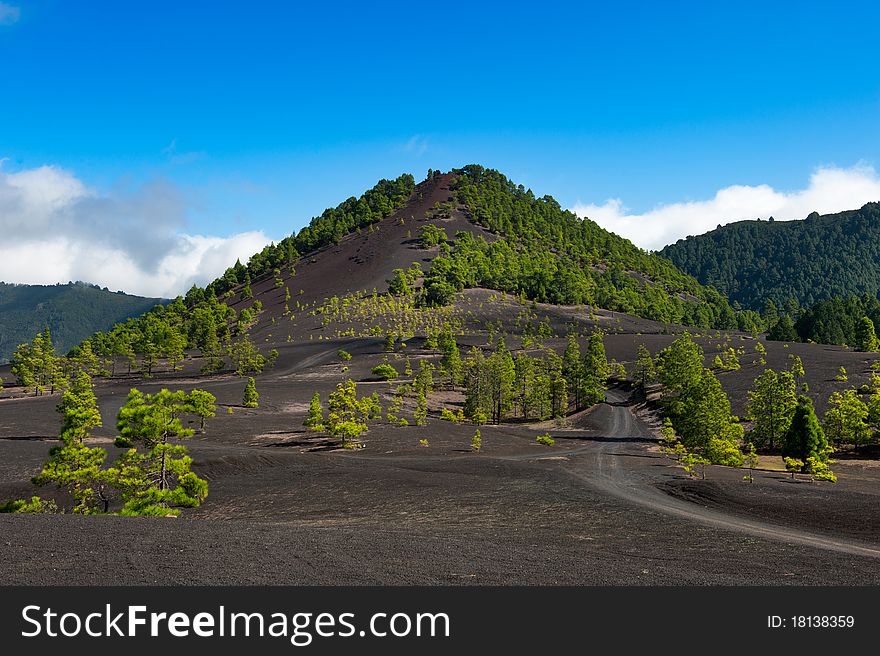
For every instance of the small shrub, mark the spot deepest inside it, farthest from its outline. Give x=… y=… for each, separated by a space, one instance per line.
x=818 y=469
x=750 y=461
x=545 y=439
x=793 y=465
x=384 y=371
x=477 y=441
x=35 y=506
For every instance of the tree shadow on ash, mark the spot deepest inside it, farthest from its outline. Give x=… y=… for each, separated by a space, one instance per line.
x=602 y=439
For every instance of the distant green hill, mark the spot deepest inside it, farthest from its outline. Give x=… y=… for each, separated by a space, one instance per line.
x=73 y=312
x=811 y=260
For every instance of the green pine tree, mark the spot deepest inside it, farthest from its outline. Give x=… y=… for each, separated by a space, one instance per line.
x=771 y=404
x=805 y=437
x=644 y=372
x=251 y=397
x=866 y=337
x=157 y=480
x=596 y=369
x=315 y=419
x=201 y=404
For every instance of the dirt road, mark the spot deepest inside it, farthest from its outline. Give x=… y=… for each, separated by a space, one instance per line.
x=609 y=472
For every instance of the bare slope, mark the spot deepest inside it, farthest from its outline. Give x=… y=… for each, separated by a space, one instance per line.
x=364 y=260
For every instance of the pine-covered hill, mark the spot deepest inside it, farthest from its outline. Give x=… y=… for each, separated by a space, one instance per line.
x=809 y=260
x=72 y=312
x=548 y=254
x=488 y=232
x=498 y=235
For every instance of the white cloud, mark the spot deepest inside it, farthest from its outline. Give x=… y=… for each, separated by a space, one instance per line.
x=831 y=189
x=416 y=144
x=175 y=155
x=53 y=228
x=9 y=14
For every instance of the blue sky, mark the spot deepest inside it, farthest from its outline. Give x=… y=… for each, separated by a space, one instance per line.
x=255 y=116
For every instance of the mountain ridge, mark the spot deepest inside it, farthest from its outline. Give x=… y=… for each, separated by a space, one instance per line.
x=72 y=311
x=807 y=260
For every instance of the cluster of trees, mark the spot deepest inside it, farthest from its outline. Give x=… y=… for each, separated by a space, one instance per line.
x=167 y=332
x=402 y=281
x=37 y=368
x=701 y=430
x=347 y=414
x=198 y=322
x=696 y=406
x=503 y=384
x=430 y=236
x=849 y=322
x=551 y=255
x=786 y=421
x=819 y=258
x=498 y=385
x=853 y=417
x=417 y=390
x=152 y=475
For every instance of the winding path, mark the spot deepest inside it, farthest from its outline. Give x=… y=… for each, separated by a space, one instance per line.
x=605 y=464
x=606 y=472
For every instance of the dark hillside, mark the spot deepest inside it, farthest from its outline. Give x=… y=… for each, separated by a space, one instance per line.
x=72 y=311
x=811 y=260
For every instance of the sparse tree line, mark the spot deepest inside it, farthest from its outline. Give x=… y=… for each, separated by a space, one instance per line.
x=497 y=386
x=397 y=315
x=699 y=428
x=152 y=474
x=142 y=343
x=845 y=322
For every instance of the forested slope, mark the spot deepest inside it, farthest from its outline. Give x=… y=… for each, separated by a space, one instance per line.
x=811 y=260
x=549 y=254
x=72 y=312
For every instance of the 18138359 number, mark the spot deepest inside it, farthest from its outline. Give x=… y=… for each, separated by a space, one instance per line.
x=811 y=622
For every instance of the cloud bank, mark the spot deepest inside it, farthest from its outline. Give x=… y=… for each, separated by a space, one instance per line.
x=53 y=228
x=830 y=189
